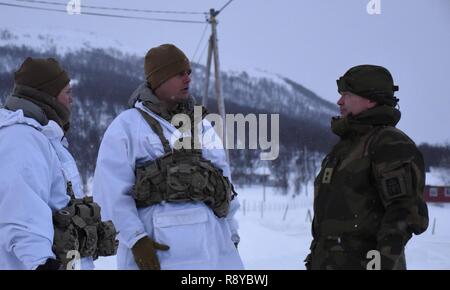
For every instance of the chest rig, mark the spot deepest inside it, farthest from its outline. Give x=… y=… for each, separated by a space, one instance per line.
x=181 y=175
x=79 y=227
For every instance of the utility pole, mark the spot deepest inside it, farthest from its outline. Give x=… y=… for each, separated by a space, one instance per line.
x=264 y=183
x=208 y=72
x=213 y=49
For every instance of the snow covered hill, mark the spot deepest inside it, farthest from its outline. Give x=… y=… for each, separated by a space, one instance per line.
x=57 y=39
x=258 y=89
x=104 y=77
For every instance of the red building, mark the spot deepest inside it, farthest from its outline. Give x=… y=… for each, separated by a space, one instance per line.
x=437 y=193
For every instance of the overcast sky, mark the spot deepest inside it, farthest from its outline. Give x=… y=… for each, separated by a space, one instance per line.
x=312 y=42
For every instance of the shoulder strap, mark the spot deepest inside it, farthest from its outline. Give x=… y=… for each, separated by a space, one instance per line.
x=69 y=188
x=156 y=127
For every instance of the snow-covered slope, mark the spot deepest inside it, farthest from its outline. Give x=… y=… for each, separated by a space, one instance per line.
x=60 y=40
x=262 y=89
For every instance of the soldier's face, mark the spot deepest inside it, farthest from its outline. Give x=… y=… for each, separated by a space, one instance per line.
x=353 y=104
x=175 y=89
x=65 y=97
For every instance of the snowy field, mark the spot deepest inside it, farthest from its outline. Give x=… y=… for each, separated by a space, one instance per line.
x=277 y=235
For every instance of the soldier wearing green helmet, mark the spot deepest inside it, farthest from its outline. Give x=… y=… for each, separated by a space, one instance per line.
x=368 y=199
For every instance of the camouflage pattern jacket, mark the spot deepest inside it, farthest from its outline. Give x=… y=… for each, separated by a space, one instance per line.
x=368 y=194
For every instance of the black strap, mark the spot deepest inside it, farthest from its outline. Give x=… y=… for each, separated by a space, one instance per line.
x=156 y=127
x=70 y=192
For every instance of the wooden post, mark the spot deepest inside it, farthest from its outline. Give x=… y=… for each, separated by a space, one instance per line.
x=434 y=226
x=262 y=210
x=285 y=211
x=220 y=100
x=208 y=72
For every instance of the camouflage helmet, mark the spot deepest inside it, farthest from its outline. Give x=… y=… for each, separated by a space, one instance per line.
x=371 y=82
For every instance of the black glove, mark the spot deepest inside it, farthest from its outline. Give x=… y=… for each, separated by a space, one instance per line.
x=50 y=264
x=144 y=252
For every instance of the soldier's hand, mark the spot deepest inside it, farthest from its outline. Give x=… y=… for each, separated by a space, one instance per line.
x=144 y=252
x=391 y=248
x=50 y=264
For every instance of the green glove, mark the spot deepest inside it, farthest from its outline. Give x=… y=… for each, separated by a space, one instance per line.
x=144 y=252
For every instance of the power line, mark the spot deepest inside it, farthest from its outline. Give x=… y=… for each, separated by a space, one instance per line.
x=103 y=15
x=213 y=13
x=228 y=3
x=117 y=9
x=201 y=39
x=203 y=51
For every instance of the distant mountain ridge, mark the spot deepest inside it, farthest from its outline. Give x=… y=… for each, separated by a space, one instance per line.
x=104 y=78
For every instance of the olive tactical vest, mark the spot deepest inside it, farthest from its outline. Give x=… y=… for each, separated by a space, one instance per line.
x=181 y=175
x=78 y=227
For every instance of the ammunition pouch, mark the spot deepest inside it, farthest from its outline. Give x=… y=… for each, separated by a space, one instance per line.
x=107 y=243
x=78 y=227
x=183 y=176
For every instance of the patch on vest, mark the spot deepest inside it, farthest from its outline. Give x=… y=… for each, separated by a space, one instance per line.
x=393 y=185
x=329 y=164
x=327 y=175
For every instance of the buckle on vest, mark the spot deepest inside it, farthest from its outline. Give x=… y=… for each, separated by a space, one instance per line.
x=327 y=175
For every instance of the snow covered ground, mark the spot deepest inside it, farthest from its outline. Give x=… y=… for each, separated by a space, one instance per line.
x=432 y=250
x=278 y=236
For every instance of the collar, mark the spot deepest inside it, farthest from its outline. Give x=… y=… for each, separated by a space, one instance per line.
x=365 y=121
